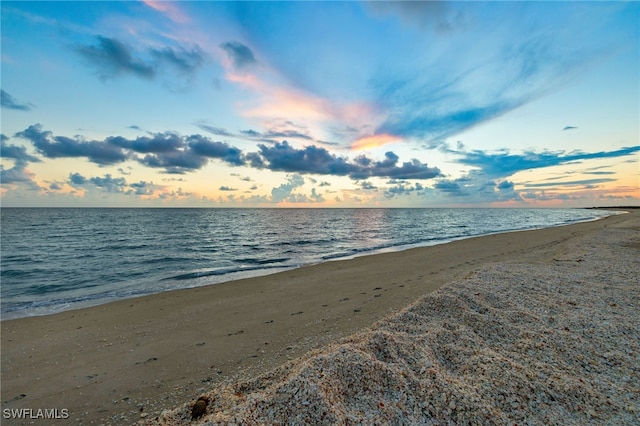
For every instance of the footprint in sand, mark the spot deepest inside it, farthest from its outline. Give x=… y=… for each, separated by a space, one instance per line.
x=147 y=361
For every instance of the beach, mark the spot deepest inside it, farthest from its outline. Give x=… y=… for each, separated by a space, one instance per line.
x=534 y=326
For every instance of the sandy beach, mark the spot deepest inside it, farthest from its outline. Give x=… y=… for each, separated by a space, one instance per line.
x=530 y=327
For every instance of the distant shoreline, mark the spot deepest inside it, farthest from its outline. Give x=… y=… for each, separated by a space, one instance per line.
x=614 y=208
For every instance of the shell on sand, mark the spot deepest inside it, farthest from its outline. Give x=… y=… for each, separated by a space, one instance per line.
x=199 y=407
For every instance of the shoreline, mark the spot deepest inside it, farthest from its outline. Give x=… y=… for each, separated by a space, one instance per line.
x=257 y=273
x=113 y=363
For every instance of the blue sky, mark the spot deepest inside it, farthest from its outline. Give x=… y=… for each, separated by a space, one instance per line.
x=320 y=104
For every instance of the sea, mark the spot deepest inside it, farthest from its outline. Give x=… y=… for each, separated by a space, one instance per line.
x=55 y=259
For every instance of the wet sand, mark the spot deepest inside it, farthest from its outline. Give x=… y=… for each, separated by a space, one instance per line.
x=120 y=362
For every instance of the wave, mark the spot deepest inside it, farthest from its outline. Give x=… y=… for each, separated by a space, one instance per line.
x=224 y=271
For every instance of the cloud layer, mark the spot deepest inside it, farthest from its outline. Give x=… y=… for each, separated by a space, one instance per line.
x=10 y=102
x=312 y=159
x=239 y=54
x=500 y=164
x=488 y=181
x=178 y=154
x=113 y=58
x=17 y=174
x=108 y=183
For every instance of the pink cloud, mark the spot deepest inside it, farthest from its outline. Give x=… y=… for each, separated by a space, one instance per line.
x=274 y=101
x=169 y=9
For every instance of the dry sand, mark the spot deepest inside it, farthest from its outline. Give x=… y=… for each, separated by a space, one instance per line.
x=537 y=326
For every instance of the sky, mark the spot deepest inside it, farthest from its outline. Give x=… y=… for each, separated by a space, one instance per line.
x=320 y=104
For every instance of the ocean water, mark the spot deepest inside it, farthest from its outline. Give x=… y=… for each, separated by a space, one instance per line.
x=58 y=259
